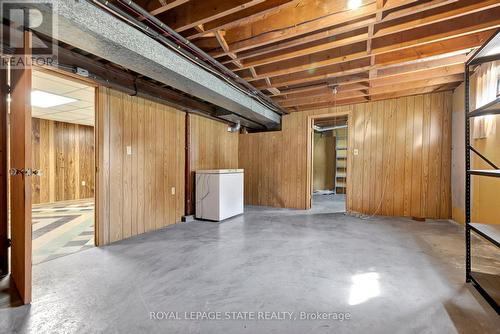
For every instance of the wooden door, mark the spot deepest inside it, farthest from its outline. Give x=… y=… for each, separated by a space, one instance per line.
x=20 y=183
x=4 y=247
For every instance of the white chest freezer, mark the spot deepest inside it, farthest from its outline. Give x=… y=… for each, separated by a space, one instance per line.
x=219 y=193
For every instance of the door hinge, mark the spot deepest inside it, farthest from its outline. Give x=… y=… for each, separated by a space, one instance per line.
x=8 y=242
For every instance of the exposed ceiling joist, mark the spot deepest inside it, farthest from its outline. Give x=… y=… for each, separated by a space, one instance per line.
x=163 y=8
x=298 y=50
x=246 y=16
x=399 y=56
x=433 y=34
x=379 y=97
x=194 y=13
x=404 y=86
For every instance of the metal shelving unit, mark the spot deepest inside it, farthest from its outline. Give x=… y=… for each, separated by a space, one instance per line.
x=341 y=165
x=487 y=284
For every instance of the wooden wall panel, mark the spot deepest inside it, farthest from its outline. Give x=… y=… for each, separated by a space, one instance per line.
x=324 y=161
x=142 y=191
x=402 y=167
x=211 y=146
x=65 y=154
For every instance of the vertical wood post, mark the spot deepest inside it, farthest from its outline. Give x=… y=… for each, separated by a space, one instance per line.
x=188 y=179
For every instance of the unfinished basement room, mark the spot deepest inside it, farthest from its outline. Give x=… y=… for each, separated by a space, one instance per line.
x=250 y=166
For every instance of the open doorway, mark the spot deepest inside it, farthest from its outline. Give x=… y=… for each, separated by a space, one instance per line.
x=63 y=117
x=329 y=162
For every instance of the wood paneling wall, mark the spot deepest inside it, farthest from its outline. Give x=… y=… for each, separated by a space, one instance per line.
x=142 y=191
x=211 y=146
x=324 y=161
x=65 y=154
x=402 y=167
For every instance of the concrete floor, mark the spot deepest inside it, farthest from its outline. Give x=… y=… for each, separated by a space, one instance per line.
x=391 y=275
x=328 y=203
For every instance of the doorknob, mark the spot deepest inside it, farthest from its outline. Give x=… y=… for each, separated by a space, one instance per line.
x=16 y=171
x=26 y=172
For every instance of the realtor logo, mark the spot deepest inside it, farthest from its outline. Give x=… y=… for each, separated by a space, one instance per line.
x=19 y=16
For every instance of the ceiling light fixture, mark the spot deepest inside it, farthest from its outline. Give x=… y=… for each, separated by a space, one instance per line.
x=43 y=99
x=353 y=4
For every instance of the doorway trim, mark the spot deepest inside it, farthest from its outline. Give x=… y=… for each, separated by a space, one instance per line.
x=309 y=155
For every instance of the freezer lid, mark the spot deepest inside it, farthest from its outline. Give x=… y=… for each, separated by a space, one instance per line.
x=219 y=171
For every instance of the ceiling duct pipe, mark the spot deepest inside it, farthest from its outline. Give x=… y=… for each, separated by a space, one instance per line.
x=328 y=128
x=235 y=128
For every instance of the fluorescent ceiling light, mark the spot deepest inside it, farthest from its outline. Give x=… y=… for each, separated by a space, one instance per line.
x=43 y=99
x=353 y=4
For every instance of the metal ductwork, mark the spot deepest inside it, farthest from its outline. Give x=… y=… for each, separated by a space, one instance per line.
x=328 y=128
x=90 y=28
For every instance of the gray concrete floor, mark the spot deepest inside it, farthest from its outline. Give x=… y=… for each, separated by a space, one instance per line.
x=392 y=275
x=328 y=203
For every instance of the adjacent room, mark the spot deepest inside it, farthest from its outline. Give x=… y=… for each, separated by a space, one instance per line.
x=63 y=154
x=250 y=166
x=330 y=146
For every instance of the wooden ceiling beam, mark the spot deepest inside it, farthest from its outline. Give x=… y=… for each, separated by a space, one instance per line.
x=438 y=14
x=356 y=72
x=439 y=31
x=266 y=59
x=241 y=42
x=386 y=47
x=428 y=63
x=372 y=73
x=451 y=64
x=269 y=54
x=433 y=49
x=194 y=13
x=323 y=90
x=328 y=97
x=416 y=83
x=416 y=8
x=456 y=69
x=443 y=80
x=466 y=7
x=330 y=33
x=220 y=38
x=385 y=96
x=245 y=16
x=156 y=10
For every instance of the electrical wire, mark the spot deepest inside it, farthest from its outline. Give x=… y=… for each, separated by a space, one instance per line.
x=379 y=205
x=203 y=184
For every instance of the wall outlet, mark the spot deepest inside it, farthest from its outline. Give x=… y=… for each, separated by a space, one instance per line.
x=173 y=190
x=129 y=150
x=83 y=183
x=356 y=152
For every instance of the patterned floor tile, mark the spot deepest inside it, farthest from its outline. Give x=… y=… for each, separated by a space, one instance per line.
x=62 y=228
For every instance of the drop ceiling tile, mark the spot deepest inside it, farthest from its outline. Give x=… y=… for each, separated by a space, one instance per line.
x=79 y=112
